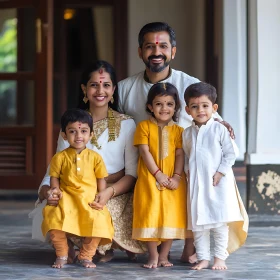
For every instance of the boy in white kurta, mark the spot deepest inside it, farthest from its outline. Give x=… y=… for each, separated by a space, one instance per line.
x=213 y=199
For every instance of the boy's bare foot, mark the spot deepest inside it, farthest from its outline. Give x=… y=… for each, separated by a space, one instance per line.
x=87 y=263
x=219 y=264
x=152 y=262
x=193 y=258
x=202 y=264
x=164 y=263
x=60 y=262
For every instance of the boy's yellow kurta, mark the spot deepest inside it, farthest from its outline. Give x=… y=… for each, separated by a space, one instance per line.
x=77 y=174
x=158 y=215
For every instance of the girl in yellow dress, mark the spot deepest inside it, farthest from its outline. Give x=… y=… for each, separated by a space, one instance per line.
x=77 y=173
x=159 y=213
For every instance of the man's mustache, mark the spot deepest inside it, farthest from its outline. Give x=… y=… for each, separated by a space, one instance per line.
x=156 y=56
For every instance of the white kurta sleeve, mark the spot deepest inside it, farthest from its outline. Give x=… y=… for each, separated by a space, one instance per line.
x=229 y=149
x=61 y=145
x=131 y=152
x=121 y=94
x=217 y=116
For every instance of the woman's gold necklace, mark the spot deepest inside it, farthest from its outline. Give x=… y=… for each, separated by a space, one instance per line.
x=111 y=124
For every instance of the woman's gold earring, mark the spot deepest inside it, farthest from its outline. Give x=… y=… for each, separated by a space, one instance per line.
x=85 y=99
x=112 y=100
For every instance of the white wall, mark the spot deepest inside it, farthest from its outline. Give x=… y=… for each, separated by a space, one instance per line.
x=186 y=17
x=264 y=81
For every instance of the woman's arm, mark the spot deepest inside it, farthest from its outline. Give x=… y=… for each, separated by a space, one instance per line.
x=125 y=178
x=101 y=184
x=124 y=185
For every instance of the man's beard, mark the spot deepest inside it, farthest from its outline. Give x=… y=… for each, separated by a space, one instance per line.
x=157 y=68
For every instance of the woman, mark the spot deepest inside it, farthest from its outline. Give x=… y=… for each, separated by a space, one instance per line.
x=113 y=140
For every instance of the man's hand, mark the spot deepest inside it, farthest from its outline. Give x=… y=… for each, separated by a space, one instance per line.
x=228 y=126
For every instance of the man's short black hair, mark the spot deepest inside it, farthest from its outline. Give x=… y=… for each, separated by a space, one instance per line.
x=76 y=115
x=156 y=27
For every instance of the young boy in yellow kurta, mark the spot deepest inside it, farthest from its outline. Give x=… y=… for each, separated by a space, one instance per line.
x=77 y=173
x=160 y=193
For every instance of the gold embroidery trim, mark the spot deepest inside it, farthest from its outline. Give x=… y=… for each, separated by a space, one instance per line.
x=163 y=136
x=165 y=140
x=112 y=122
x=159 y=233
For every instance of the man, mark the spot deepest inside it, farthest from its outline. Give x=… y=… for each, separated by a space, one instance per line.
x=157 y=47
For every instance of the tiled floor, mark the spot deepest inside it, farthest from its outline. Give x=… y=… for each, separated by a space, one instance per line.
x=23 y=258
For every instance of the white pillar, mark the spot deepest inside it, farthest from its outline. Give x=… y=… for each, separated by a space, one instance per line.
x=234 y=91
x=263 y=148
x=264 y=82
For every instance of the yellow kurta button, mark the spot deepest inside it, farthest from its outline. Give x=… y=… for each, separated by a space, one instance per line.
x=78 y=168
x=78 y=158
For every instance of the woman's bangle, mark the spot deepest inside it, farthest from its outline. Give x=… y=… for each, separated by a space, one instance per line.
x=155 y=173
x=114 y=191
x=177 y=175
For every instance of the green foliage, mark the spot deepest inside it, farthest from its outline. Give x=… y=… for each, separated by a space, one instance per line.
x=8 y=52
x=8 y=46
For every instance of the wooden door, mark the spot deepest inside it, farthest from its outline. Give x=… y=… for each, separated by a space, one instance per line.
x=85 y=30
x=25 y=92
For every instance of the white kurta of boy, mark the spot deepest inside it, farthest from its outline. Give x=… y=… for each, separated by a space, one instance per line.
x=209 y=149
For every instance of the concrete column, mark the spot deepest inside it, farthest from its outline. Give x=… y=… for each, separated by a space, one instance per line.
x=234 y=75
x=263 y=147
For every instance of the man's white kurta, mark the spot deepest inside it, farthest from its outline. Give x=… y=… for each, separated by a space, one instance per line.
x=209 y=149
x=133 y=92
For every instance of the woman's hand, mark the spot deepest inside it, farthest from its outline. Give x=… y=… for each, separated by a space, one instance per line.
x=45 y=192
x=101 y=199
x=53 y=196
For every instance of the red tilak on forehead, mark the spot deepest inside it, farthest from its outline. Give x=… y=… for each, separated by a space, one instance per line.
x=157 y=39
x=102 y=77
x=100 y=71
x=79 y=124
x=100 y=82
